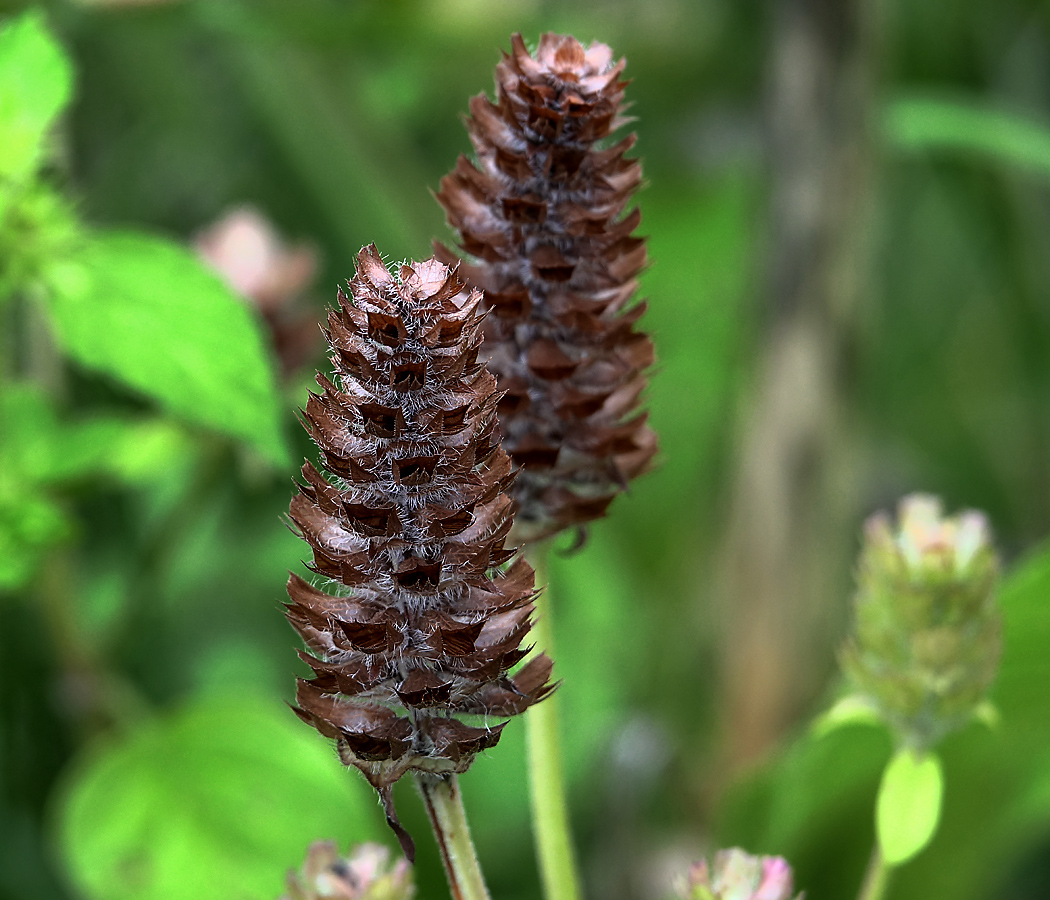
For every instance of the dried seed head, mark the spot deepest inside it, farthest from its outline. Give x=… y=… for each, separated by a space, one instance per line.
x=926 y=640
x=541 y=212
x=412 y=521
x=365 y=874
x=736 y=875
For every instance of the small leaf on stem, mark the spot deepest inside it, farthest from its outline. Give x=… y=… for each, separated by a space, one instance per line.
x=908 y=808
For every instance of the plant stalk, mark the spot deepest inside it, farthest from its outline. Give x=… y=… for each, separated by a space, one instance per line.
x=877 y=878
x=550 y=815
x=444 y=805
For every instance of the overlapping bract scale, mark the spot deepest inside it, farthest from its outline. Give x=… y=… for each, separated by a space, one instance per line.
x=426 y=609
x=541 y=214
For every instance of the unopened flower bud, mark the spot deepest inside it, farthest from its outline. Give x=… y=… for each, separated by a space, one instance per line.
x=736 y=875
x=246 y=251
x=926 y=639
x=363 y=875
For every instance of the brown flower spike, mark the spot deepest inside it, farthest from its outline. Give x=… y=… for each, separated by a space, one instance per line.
x=427 y=612
x=541 y=212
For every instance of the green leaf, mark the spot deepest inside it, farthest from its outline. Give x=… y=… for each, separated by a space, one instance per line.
x=36 y=83
x=146 y=311
x=39 y=449
x=215 y=802
x=908 y=807
x=987 y=713
x=817 y=795
x=923 y=123
x=30 y=429
x=38 y=226
x=849 y=710
x=30 y=521
x=29 y=525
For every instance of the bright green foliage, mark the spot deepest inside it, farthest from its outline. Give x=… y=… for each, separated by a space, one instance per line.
x=45 y=450
x=928 y=123
x=137 y=307
x=39 y=452
x=216 y=802
x=37 y=227
x=909 y=805
x=36 y=82
x=29 y=523
x=29 y=520
x=146 y=311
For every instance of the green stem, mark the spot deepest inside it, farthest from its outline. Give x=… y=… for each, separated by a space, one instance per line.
x=550 y=815
x=449 y=820
x=877 y=878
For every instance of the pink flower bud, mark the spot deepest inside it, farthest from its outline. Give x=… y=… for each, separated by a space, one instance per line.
x=363 y=875
x=737 y=875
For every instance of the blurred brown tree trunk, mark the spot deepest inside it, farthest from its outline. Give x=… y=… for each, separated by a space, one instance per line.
x=789 y=535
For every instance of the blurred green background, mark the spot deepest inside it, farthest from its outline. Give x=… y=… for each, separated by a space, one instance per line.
x=148 y=442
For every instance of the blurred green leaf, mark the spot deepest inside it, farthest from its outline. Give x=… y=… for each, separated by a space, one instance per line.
x=100 y=604
x=146 y=311
x=908 y=806
x=213 y=803
x=29 y=524
x=38 y=226
x=926 y=123
x=140 y=451
x=849 y=710
x=30 y=521
x=30 y=430
x=43 y=450
x=36 y=83
x=987 y=714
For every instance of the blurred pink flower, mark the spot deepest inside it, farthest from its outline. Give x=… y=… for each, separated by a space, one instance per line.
x=366 y=874
x=256 y=262
x=736 y=875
